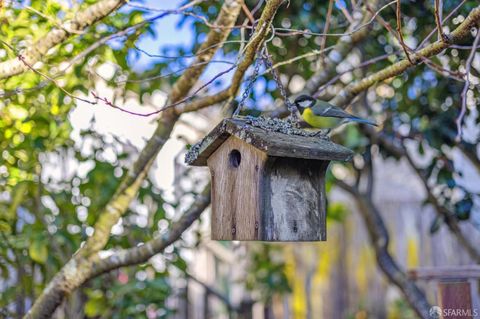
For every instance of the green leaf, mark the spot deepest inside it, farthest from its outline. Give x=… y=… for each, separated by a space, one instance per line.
x=96 y=303
x=337 y=211
x=38 y=250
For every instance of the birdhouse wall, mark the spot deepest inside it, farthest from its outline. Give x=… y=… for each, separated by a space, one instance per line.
x=269 y=198
x=294 y=204
x=236 y=169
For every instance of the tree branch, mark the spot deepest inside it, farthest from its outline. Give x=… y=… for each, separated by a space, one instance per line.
x=141 y=254
x=341 y=49
x=77 y=271
x=79 y=268
x=399 y=151
x=466 y=86
x=399 y=32
x=458 y=35
x=250 y=52
x=137 y=174
x=80 y=22
x=379 y=238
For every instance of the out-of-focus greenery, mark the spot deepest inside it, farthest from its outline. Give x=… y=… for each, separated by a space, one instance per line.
x=44 y=217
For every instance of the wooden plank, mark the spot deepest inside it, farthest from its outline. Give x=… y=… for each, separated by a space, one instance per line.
x=440 y=273
x=455 y=300
x=293 y=200
x=235 y=191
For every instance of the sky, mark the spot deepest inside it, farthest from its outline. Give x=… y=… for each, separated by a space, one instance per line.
x=168 y=33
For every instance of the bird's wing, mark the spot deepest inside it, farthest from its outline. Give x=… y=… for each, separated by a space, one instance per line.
x=328 y=110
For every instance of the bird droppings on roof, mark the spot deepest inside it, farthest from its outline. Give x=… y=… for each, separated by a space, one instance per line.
x=192 y=153
x=287 y=126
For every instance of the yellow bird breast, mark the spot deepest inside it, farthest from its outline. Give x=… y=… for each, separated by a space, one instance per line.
x=317 y=121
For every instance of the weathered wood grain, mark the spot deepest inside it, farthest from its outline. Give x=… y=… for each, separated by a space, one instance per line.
x=273 y=186
x=293 y=200
x=236 y=191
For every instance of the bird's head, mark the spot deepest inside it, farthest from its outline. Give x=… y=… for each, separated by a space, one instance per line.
x=304 y=101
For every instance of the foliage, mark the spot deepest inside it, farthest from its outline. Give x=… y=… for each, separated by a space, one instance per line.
x=53 y=183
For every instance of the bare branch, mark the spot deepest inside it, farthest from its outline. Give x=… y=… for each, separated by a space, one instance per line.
x=323 y=40
x=379 y=238
x=343 y=47
x=397 y=150
x=421 y=45
x=458 y=35
x=399 y=32
x=438 y=20
x=250 y=53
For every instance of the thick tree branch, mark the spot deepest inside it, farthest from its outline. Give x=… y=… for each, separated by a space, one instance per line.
x=379 y=238
x=137 y=174
x=250 y=52
x=77 y=271
x=79 y=268
x=458 y=35
x=141 y=254
x=397 y=150
x=80 y=22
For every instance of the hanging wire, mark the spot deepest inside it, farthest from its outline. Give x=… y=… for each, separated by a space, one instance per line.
x=269 y=66
x=250 y=83
x=253 y=77
x=263 y=55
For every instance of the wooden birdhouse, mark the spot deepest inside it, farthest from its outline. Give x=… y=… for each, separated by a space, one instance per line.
x=268 y=179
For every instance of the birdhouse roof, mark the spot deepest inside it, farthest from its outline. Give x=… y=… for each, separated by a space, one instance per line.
x=275 y=137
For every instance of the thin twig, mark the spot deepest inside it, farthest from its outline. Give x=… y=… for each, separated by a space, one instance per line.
x=299 y=57
x=308 y=32
x=52 y=20
x=181 y=101
x=187 y=13
x=323 y=40
x=427 y=61
x=22 y=58
x=422 y=44
x=156 y=77
x=361 y=65
x=438 y=20
x=247 y=13
x=345 y=12
x=184 y=56
x=399 y=32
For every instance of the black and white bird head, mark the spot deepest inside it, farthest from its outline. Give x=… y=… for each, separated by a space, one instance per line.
x=304 y=101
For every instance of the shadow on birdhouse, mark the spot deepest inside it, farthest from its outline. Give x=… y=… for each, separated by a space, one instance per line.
x=268 y=179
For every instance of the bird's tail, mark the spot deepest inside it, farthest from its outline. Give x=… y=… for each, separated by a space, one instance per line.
x=364 y=121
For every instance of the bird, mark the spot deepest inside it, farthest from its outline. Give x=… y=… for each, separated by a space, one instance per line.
x=321 y=114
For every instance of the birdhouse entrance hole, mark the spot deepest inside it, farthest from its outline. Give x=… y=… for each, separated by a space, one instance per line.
x=268 y=179
x=235 y=158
